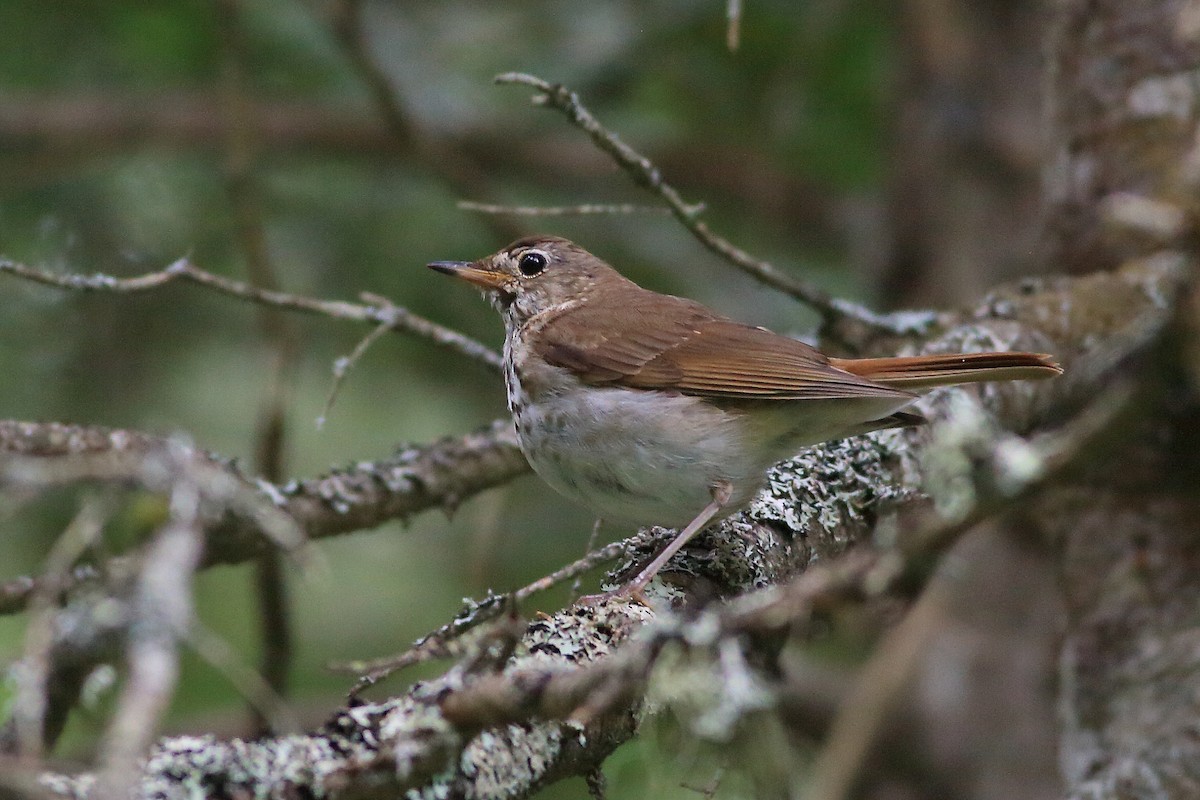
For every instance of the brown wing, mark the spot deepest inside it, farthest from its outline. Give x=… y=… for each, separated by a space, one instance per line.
x=649 y=341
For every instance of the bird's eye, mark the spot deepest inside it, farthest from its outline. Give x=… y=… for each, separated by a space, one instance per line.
x=531 y=263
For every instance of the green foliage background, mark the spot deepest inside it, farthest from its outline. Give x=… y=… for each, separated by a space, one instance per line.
x=779 y=139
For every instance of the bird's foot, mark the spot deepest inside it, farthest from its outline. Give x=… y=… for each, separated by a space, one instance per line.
x=629 y=592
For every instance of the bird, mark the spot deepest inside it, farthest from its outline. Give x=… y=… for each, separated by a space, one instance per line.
x=652 y=409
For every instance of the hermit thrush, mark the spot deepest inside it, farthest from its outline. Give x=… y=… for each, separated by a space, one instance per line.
x=650 y=408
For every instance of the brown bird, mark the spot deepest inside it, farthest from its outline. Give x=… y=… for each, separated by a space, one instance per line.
x=653 y=409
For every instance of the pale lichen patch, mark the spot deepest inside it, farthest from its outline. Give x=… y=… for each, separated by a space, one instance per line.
x=504 y=761
x=1172 y=95
x=829 y=487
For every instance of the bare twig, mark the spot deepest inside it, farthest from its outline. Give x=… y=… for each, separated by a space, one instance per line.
x=393 y=316
x=342 y=366
x=733 y=33
x=162 y=609
x=645 y=174
x=33 y=694
x=561 y=211
x=441 y=642
x=249 y=683
x=151 y=464
x=432 y=646
x=585 y=564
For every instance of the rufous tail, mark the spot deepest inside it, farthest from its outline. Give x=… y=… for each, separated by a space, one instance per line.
x=925 y=372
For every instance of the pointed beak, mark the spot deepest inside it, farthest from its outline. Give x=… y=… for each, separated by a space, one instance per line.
x=490 y=280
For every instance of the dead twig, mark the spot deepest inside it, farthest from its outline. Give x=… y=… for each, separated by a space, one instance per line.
x=561 y=211
x=33 y=697
x=647 y=175
x=733 y=32
x=162 y=610
x=259 y=693
x=393 y=316
x=440 y=643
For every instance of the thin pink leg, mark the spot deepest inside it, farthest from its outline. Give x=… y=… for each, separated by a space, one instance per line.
x=720 y=495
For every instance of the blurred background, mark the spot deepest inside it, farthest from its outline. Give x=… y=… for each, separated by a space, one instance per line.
x=884 y=151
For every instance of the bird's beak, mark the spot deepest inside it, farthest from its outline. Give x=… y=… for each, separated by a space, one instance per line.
x=487 y=279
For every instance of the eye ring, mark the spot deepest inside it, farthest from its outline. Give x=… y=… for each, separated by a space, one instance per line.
x=532 y=262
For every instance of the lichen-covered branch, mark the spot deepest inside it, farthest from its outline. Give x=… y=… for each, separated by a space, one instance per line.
x=410 y=742
x=363 y=495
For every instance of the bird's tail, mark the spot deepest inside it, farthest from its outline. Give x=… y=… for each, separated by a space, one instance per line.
x=925 y=372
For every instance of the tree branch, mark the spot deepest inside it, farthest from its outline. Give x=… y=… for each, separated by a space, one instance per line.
x=386 y=314
x=364 y=495
x=645 y=174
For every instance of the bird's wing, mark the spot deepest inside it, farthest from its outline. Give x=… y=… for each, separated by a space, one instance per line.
x=651 y=341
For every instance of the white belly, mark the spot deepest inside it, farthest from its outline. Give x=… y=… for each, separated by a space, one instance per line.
x=636 y=456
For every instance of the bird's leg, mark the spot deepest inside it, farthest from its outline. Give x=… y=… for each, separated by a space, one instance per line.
x=720 y=497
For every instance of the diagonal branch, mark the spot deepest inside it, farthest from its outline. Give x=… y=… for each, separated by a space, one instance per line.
x=645 y=174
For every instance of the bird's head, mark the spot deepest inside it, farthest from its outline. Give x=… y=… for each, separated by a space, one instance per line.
x=534 y=274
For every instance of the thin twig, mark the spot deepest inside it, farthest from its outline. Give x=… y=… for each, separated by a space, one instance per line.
x=33 y=696
x=248 y=682
x=733 y=33
x=162 y=608
x=150 y=466
x=342 y=366
x=583 y=565
x=561 y=211
x=645 y=174
x=438 y=644
x=394 y=316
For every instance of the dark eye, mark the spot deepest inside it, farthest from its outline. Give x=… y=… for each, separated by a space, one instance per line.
x=531 y=263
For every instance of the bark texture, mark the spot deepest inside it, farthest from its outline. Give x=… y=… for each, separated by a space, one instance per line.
x=1121 y=180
